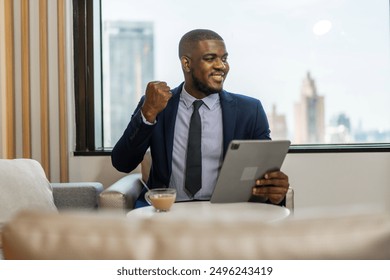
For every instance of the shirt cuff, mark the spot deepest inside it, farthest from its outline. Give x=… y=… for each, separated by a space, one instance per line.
x=146 y=121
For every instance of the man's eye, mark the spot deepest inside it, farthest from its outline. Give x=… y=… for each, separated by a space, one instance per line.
x=224 y=59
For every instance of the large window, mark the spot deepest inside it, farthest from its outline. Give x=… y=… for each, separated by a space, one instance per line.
x=321 y=68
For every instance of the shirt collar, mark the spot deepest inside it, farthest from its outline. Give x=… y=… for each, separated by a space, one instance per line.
x=210 y=101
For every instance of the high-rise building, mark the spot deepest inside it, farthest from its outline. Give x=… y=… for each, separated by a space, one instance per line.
x=277 y=124
x=128 y=66
x=309 y=114
x=339 y=130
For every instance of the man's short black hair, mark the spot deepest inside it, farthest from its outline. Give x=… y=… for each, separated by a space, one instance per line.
x=194 y=36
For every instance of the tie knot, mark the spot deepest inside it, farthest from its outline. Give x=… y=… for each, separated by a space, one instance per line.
x=197 y=104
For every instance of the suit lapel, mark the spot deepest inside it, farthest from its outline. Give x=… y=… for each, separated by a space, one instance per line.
x=170 y=113
x=229 y=117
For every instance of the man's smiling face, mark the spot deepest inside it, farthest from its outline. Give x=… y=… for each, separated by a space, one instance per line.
x=208 y=67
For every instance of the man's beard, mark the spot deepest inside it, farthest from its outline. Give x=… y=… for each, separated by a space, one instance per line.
x=202 y=87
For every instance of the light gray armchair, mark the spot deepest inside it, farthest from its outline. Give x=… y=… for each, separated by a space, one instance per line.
x=72 y=196
x=24 y=186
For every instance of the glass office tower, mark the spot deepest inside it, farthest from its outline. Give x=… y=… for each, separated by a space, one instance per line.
x=128 y=65
x=309 y=114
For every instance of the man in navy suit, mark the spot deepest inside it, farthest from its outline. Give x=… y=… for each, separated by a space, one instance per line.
x=161 y=123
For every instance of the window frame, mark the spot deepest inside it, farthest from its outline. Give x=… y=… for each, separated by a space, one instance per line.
x=83 y=37
x=84 y=95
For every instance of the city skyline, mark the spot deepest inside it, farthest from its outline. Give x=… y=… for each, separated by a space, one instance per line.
x=351 y=61
x=126 y=42
x=268 y=60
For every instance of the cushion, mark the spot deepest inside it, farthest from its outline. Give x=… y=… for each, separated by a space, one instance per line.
x=23 y=185
x=145 y=166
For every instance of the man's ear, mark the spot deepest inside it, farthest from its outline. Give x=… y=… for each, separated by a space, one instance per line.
x=185 y=63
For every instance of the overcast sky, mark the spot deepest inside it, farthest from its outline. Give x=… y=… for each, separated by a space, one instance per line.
x=272 y=45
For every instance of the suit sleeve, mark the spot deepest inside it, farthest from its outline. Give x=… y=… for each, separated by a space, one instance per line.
x=262 y=130
x=130 y=149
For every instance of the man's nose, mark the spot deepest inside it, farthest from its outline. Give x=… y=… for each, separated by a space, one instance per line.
x=220 y=64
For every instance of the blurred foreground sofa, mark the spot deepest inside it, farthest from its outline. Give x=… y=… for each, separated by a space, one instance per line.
x=24 y=186
x=71 y=236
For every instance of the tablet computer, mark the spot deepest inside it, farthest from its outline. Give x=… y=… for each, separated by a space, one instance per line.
x=246 y=161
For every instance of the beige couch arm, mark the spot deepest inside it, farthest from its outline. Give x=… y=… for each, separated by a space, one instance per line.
x=122 y=194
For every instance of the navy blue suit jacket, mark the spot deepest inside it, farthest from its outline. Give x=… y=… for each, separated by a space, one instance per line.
x=243 y=118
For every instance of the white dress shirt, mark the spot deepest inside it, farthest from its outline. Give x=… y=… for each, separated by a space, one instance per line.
x=212 y=145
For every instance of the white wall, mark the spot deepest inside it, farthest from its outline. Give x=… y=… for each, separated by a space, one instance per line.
x=339 y=179
x=93 y=168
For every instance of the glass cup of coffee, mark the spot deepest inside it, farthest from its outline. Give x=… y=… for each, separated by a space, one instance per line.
x=161 y=199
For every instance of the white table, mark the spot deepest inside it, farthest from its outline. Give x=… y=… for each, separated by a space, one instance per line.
x=204 y=210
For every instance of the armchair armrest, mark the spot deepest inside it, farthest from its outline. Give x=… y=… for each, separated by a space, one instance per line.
x=83 y=195
x=290 y=199
x=123 y=193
